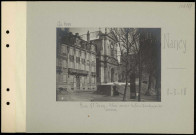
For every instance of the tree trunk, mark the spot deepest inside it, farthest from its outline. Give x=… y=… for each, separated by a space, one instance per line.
x=125 y=91
x=140 y=76
x=157 y=87
x=132 y=86
x=149 y=85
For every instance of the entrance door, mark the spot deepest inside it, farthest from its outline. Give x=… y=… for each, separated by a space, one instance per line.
x=78 y=82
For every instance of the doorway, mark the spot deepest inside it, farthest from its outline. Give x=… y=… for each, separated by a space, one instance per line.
x=78 y=82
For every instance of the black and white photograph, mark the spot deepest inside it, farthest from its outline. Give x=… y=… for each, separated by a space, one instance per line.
x=98 y=67
x=108 y=64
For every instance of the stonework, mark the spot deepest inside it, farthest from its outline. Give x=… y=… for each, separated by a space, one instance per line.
x=107 y=63
x=84 y=64
x=76 y=63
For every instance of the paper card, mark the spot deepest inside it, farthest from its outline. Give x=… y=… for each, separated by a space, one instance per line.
x=73 y=62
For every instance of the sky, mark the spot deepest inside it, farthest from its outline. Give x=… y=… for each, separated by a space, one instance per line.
x=82 y=31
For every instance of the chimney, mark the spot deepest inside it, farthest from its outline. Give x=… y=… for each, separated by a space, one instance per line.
x=70 y=33
x=88 y=36
x=77 y=34
x=106 y=31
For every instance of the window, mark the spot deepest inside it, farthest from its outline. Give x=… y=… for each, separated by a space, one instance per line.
x=89 y=80
x=82 y=63
x=64 y=49
x=87 y=62
x=87 y=65
x=64 y=78
x=82 y=81
x=77 y=59
x=77 y=52
x=93 y=66
x=77 y=62
x=64 y=63
x=60 y=62
x=93 y=80
x=71 y=61
x=61 y=78
x=87 y=56
x=71 y=58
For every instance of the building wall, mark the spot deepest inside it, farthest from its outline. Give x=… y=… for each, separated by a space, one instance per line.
x=76 y=66
x=94 y=58
x=107 y=62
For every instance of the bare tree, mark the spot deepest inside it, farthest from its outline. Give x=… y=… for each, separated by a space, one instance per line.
x=127 y=41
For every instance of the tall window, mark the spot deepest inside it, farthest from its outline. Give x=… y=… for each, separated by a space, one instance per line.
x=64 y=78
x=82 y=81
x=87 y=65
x=82 y=63
x=71 y=58
x=71 y=80
x=61 y=78
x=64 y=63
x=87 y=62
x=93 y=63
x=87 y=78
x=93 y=66
x=112 y=50
x=93 y=80
x=77 y=62
x=59 y=62
x=82 y=60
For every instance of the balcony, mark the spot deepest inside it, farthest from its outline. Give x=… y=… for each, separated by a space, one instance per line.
x=77 y=72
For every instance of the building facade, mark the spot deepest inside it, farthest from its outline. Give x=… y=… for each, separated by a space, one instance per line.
x=75 y=62
x=106 y=59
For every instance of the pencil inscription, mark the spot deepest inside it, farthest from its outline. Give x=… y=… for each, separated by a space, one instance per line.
x=177 y=44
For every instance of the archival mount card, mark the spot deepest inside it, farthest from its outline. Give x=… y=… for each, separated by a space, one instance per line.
x=98 y=67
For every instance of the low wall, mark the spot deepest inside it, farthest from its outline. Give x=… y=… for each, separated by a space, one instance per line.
x=105 y=89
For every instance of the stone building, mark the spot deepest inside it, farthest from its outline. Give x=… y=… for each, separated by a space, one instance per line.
x=75 y=62
x=106 y=59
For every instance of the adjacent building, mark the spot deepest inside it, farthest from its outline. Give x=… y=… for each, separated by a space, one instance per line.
x=106 y=59
x=75 y=62
x=83 y=64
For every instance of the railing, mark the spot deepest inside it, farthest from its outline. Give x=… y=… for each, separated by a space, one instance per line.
x=77 y=71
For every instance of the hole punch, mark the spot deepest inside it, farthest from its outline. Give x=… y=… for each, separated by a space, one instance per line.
x=7 y=45
x=8 y=103
x=7 y=31
x=8 y=89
